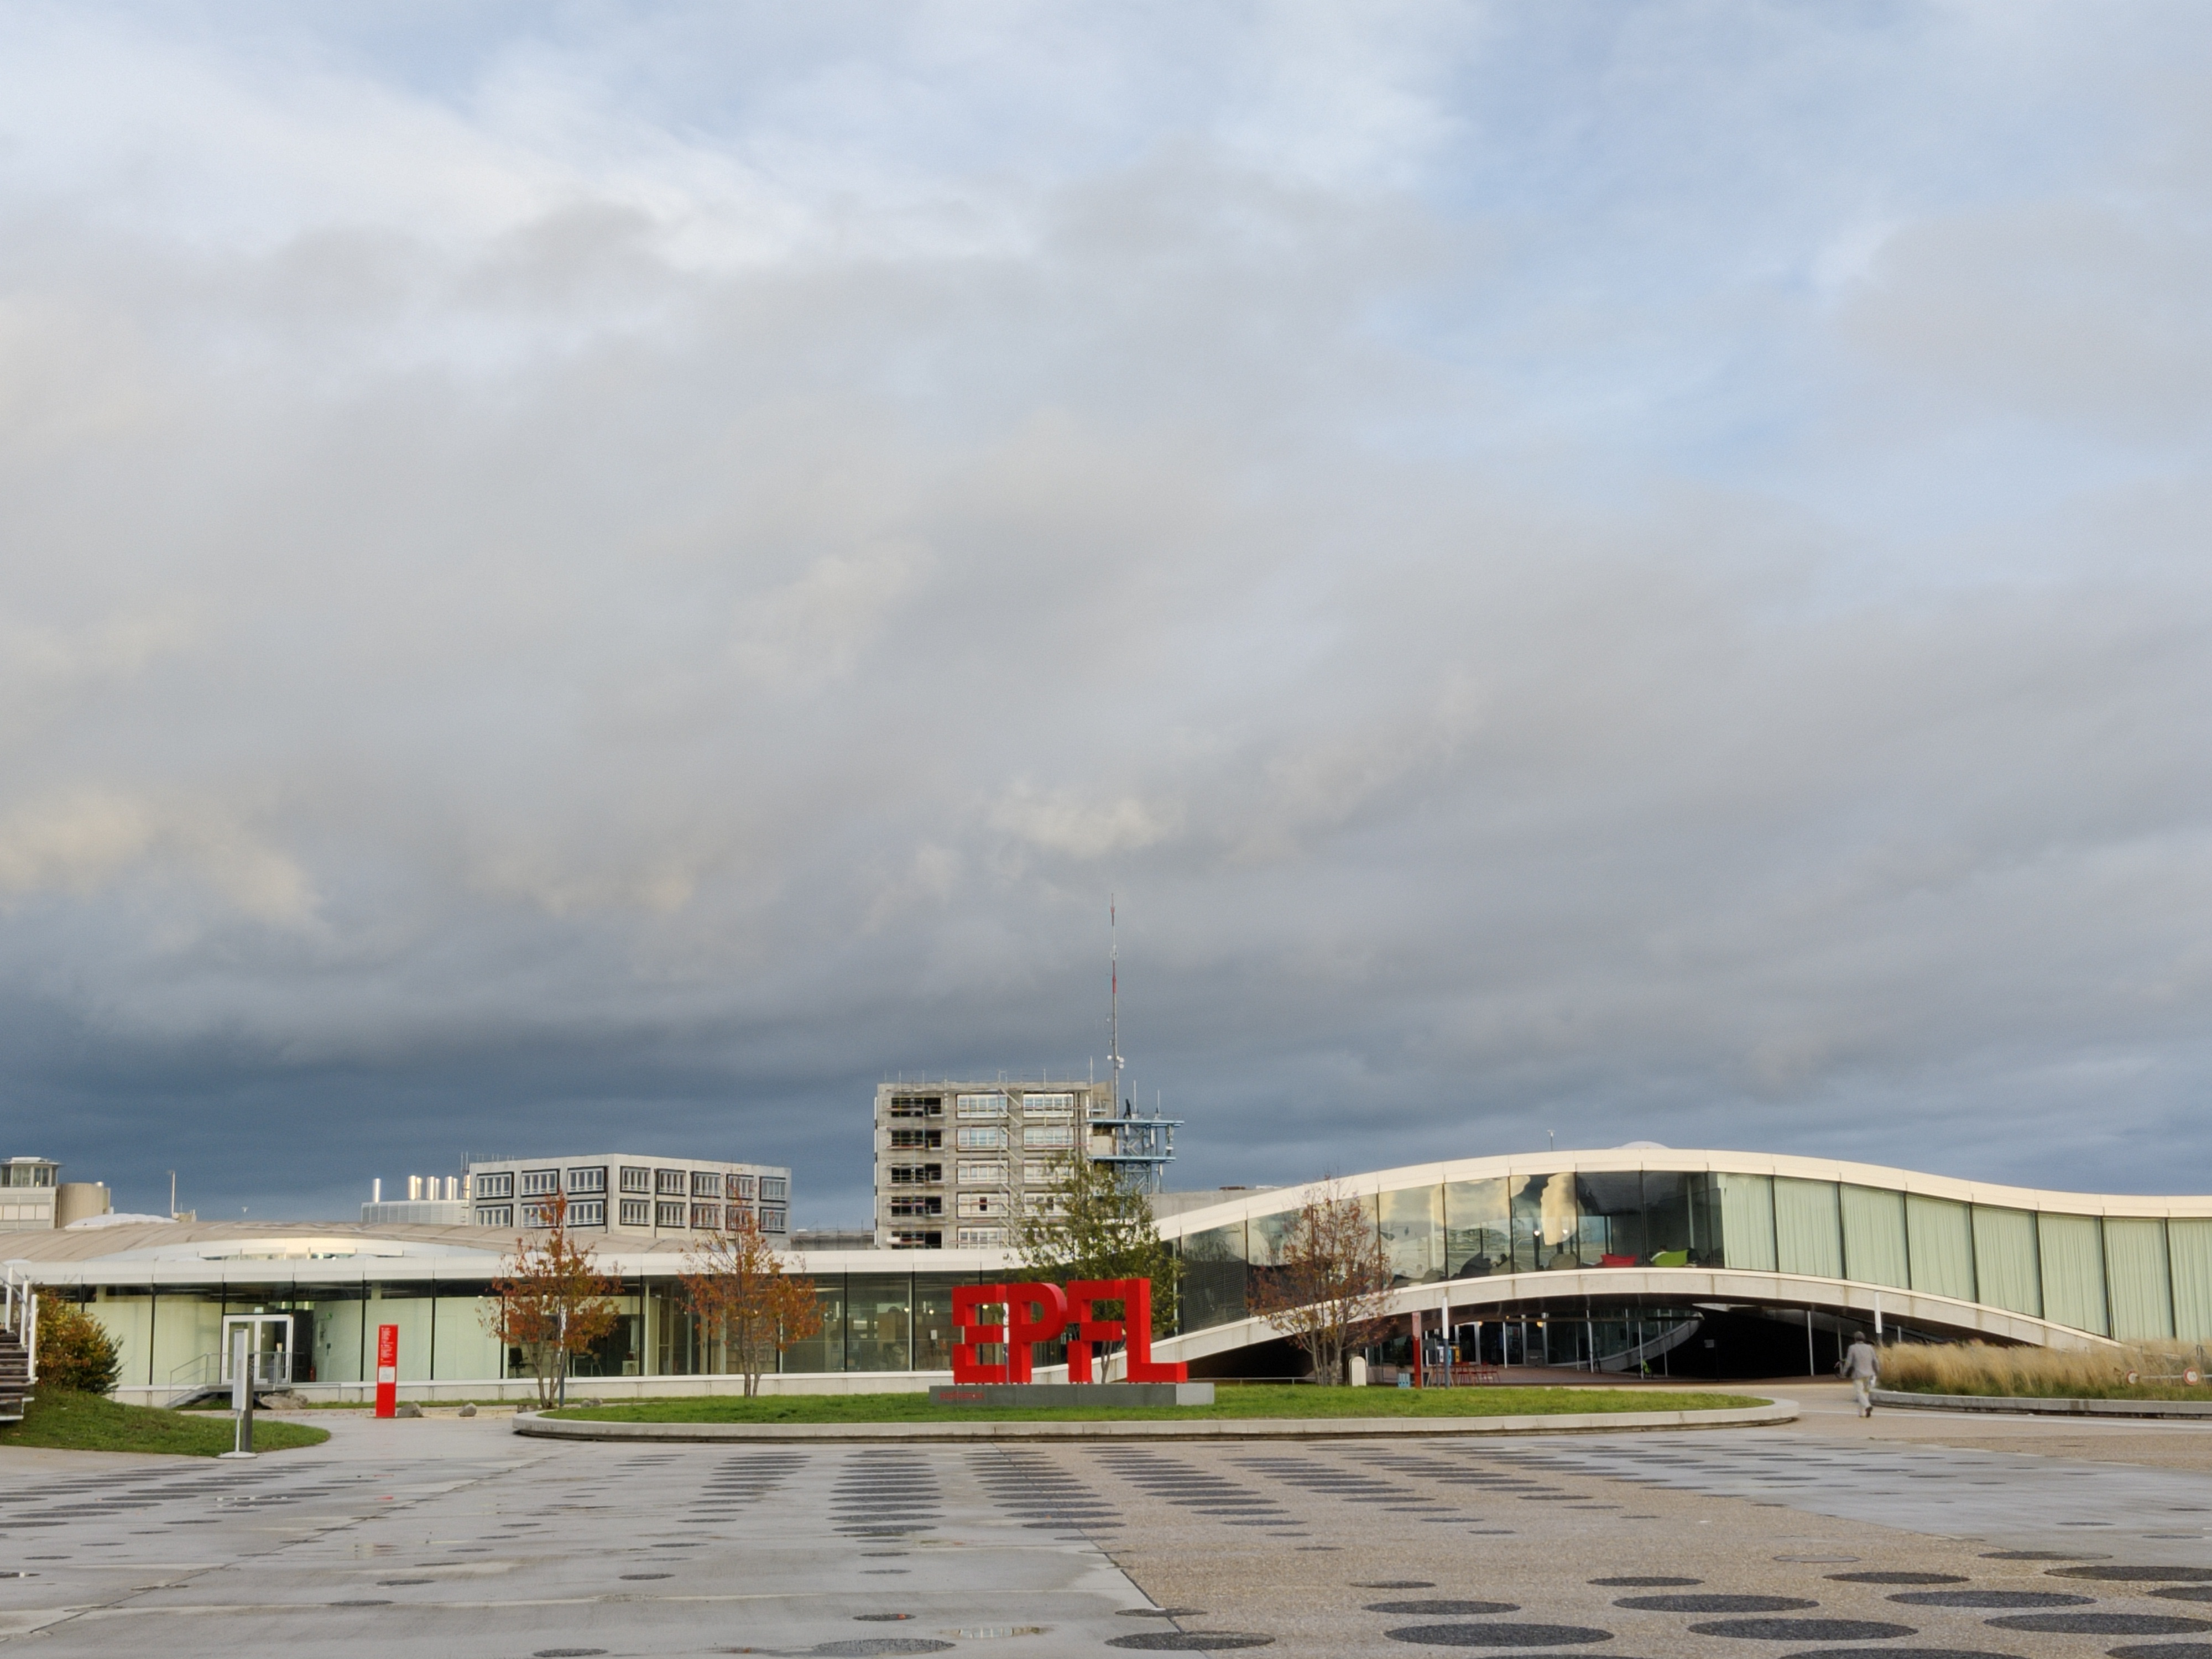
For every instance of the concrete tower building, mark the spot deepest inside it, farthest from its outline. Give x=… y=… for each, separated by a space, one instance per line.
x=956 y=1163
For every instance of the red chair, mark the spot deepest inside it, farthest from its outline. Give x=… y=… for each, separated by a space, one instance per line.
x=1616 y=1261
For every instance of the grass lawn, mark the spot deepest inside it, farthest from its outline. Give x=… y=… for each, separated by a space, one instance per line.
x=1228 y=1402
x=88 y=1422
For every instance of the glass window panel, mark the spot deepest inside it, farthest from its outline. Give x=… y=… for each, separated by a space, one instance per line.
x=2189 y=1249
x=1670 y=1236
x=1748 y=1222
x=671 y=1332
x=1704 y=1189
x=1213 y=1277
x=1809 y=1236
x=1478 y=1229
x=932 y=1320
x=879 y=1331
x=1940 y=1235
x=2135 y=1272
x=1413 y=1219
x=620 y=1352
x=1544 y=1223
x=824 y=1352
x=2073 y=1271
x=330 y=1338
x=1610 y=1209
x=1874 y=1237
x=2007 y=1273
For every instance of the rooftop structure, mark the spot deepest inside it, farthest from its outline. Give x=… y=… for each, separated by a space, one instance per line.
x=431 y=1201
x=27 y=1195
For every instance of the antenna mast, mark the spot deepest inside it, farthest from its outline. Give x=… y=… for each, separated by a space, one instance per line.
x=1114 y=1001
x=1141 y=1148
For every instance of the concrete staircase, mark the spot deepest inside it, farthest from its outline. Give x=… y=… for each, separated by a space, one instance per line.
x=19 y=1316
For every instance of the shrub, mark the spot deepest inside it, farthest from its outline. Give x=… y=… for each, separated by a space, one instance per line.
x=76 y=1353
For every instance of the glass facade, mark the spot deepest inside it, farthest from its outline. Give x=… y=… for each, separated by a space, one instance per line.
x=2130 y=1278
x=2125 y=1277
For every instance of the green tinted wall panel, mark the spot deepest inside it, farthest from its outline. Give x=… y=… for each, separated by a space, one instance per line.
x=2134 y=1278
x=1808 y=1233
x=2007 y=1272
x=1748 y=1222
x=2189 y=1247
x=462 y=1343
x=1874 y=1237
x=1940 y=1240
x=2073 y=1271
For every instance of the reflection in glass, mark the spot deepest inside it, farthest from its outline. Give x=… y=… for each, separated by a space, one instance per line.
x=1611 y=1234
x=880 y=1328
x=1213 y=1277
x=932 y=1320
x=1412 y=1225
x=1544 y=1219
x=1478 y=1229
x=826 y=1351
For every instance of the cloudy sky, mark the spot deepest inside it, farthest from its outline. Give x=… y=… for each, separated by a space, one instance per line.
x=615 y=575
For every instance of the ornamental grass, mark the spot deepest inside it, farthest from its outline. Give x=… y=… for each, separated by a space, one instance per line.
x=1984 y=1368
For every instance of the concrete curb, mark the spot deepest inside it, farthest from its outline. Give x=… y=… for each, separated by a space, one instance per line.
x=1257 y=1428
x=2024 y=1406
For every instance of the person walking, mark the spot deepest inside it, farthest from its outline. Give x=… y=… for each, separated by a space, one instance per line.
x=1861 y=1363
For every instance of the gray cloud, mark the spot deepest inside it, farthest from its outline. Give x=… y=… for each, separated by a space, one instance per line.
x=544 y=607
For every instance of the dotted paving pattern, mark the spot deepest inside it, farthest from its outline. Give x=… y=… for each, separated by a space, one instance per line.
x=1655 y=1546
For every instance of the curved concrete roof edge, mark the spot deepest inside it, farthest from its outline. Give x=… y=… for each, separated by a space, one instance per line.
x=1621 y=1159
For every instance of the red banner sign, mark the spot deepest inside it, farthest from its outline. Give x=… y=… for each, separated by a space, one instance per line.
x=1037 y=1312
x=387 y=1370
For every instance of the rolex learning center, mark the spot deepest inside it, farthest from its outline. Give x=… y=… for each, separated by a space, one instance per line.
x=1705 y=1264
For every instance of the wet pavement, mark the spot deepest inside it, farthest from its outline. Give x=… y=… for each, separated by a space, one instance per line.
x=449 y=1535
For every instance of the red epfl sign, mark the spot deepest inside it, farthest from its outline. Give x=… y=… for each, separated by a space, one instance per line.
x=1037 y=1312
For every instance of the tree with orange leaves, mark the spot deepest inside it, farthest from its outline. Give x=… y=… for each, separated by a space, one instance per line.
x=552 y=1302
x=746 y=1299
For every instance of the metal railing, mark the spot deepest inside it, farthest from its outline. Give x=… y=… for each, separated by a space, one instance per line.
x=194 y=1377
x=22 y=1316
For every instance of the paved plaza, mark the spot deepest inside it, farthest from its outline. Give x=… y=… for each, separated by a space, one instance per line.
x=1917 y=1534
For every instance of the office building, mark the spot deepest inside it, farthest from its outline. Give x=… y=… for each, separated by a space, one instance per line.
x=957 y=1164
x=27 y=1187
x=624 y=1192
